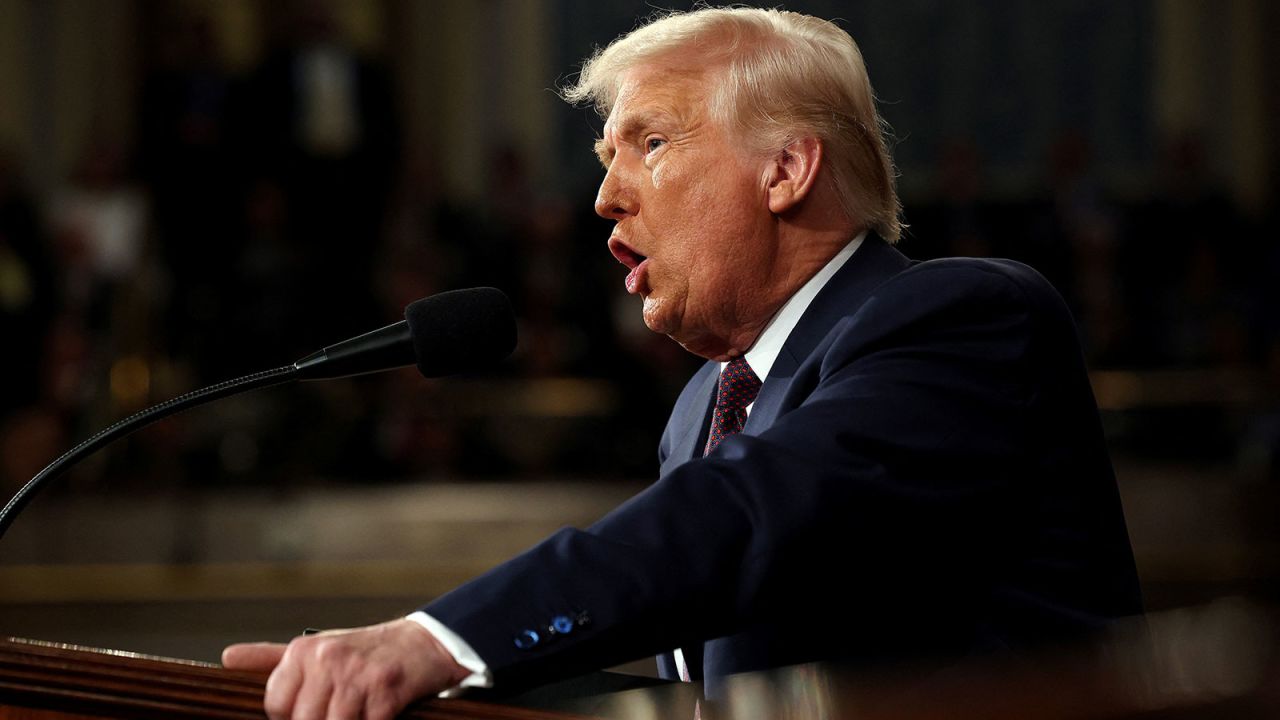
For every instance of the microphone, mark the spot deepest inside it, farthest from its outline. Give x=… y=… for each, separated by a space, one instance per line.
x=444 y=334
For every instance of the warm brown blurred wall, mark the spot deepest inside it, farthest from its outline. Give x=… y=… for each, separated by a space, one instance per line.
x=469 y=73
x=1219 y=89
x=69 y=71
x=473 y=73
x=14 y=50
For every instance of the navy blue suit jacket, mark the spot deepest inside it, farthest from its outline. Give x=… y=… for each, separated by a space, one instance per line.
x=922 y=477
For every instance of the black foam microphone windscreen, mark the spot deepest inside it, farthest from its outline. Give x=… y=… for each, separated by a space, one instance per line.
x=461 y=330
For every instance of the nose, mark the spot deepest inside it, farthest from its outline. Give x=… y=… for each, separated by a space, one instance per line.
x=614 y=200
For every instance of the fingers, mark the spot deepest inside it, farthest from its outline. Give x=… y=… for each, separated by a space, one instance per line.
x=346 y=703
x=261 y=657
x=310 y=701
x=281 y=693
x=372 y=672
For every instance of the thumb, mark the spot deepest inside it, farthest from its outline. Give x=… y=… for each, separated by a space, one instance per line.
x=261 y=656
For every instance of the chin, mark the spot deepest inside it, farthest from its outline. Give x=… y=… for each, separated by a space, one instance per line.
x=703 y=344
x=655 y=317
x=705 y=347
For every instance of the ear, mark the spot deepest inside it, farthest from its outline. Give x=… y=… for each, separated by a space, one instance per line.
x=792 y=174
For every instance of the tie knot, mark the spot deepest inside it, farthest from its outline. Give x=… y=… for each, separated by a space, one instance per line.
x=738 y=385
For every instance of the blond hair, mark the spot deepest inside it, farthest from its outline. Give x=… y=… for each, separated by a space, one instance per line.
x=784 y=76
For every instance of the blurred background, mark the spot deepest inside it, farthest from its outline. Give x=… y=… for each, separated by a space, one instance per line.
x=191 y=190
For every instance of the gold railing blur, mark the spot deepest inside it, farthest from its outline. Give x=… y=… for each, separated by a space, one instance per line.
x=1239 y=387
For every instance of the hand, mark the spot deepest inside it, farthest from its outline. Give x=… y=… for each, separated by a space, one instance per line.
x=371 y=672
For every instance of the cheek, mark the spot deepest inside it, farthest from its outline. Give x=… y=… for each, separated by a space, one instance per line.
x=697 y=215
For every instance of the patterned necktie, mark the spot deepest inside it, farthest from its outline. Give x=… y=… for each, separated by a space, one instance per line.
x=737 y=389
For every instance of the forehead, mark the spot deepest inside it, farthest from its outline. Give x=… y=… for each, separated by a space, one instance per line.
x=646 y=92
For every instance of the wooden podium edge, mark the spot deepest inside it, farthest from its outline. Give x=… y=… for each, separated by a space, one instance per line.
x=70 y=681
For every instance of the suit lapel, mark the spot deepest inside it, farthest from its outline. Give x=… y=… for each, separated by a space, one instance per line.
x=873 y=263
x=694 y=419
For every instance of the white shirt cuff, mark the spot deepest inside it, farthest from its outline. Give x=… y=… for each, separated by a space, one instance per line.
x=461 y=652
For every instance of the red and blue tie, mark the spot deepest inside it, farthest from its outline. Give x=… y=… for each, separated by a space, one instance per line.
x=737 y=389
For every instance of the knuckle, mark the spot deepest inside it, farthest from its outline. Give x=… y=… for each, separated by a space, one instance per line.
x=385 y=675
x=329 y=651
x=296 y=647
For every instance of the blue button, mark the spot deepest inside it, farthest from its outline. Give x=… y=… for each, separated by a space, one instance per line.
x=562 y=624
x=526 y=639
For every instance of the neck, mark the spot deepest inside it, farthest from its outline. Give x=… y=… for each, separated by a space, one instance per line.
x=801 y=253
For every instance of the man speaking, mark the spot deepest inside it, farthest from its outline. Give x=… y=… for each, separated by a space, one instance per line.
x=881 y=462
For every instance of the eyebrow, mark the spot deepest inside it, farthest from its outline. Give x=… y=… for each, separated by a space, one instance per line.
x=629 y=126
x=603 y=152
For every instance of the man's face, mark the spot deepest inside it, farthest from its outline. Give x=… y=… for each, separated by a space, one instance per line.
x=692 y=223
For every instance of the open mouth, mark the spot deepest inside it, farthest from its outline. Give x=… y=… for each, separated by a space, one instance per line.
x=625 y=254
x=636 y=281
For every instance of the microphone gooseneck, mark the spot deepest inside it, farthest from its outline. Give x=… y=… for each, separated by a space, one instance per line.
x=448 y=333
x=134 y=422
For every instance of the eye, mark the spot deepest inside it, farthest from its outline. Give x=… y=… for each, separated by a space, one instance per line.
x=651 y=144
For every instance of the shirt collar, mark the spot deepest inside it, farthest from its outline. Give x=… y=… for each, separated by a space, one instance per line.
x=766 y=348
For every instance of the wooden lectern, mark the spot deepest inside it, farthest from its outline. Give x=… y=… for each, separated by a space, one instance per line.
x=40 y=681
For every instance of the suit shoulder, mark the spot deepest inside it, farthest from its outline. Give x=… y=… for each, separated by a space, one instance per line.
x=955 y=297
x=978 y=271
x=947 y=280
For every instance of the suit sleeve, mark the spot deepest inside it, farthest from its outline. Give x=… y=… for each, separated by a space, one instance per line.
x=910 y=438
